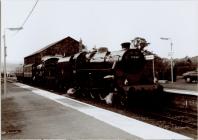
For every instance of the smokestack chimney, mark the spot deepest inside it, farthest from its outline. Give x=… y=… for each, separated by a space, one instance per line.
x=80 y=45
x=126 y=45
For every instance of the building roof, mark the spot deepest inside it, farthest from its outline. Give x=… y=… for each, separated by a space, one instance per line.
x=50 y=45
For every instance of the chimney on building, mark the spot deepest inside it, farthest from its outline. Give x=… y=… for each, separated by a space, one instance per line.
x=80 y=45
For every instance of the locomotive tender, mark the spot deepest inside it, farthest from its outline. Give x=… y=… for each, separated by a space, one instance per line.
x=126 y=73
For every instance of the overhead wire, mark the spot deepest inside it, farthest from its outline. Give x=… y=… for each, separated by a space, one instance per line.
x=28 y=16
x=30 y=13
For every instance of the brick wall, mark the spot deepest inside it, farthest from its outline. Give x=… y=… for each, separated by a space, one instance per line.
x=64 y=47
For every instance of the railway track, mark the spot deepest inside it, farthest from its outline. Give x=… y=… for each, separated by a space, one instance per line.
x=179 y=118
x=186 y=112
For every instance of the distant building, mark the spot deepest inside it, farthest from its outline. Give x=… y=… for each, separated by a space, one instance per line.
x=64 y=47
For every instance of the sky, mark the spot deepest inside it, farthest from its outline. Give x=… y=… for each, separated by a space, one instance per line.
x=104 y=23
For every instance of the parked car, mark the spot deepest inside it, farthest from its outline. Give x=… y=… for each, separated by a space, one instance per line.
x=191 y=76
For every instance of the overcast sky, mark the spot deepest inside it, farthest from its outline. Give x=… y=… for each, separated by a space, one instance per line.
x=105 y=23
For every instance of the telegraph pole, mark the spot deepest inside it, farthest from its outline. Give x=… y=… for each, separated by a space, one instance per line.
x=0 y=56
x=171 y=62
x=5 y=55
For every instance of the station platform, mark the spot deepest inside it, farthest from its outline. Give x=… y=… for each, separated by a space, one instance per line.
x=182 y=95
x=40 y=114
x=182 y=92
x=180 y=86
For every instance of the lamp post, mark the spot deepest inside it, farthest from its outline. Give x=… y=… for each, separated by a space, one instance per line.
x=171 y=54
x=0 y=48
x=5 y=55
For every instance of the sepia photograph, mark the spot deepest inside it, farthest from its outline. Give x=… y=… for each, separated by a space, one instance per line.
x=99 y=69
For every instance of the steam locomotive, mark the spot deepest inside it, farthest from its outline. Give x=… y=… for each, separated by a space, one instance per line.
x=125 y=74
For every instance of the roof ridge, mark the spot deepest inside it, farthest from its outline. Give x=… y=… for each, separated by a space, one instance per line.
x=51 y=44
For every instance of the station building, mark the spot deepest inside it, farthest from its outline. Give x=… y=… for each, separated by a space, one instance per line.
x=65 y=47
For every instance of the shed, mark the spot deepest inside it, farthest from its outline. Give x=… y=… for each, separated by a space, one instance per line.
x=64 y=47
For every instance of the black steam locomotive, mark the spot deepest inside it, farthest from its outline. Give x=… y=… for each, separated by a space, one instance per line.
x=126 y=74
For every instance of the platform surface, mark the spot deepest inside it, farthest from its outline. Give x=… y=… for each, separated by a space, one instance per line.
x=180 y=84
x=180 y=91
x=43 y=114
